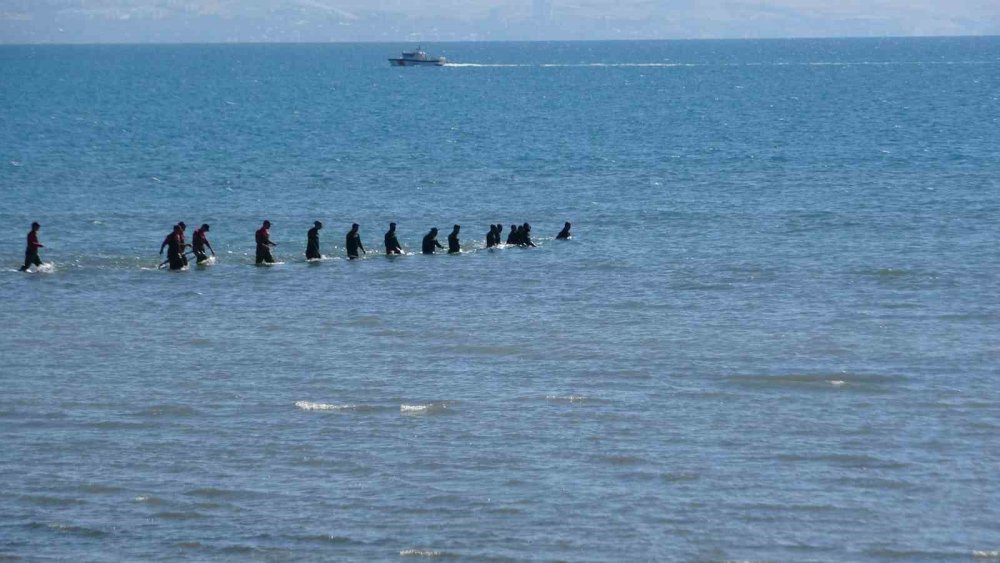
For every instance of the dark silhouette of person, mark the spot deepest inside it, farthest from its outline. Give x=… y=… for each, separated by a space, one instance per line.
x=175 y=248
x=354 y=242
x=312 y=242
x=430 y=242
x=264 y=244
x=31 y=250
x=199 y=242
x=391 y=242
x=499 y=230
x=453 y=245
x=176 y=235
x=564 y=233
x=526 y=235
x=491 y=237
x=512 y=237
x=184 y=243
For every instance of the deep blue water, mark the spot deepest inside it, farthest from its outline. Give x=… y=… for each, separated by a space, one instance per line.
x=775 y=335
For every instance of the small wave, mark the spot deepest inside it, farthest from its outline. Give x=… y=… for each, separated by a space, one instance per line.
x=212 y=492
x=189 y=545
x=118 y=425
x=622 y=459
x=496 y=350
x=42 y=500
x=366 y=320
x=148 y=500
x=77 y=530
x=567 y=398
x=857 y=382
x=325 y=538
x=913 y=554
x=854 y=461
x=168 y=410
x=425 y=553
x=187 y=515
x=97 y=488
x=978 y=554
x=310 y=406
x=430 y=408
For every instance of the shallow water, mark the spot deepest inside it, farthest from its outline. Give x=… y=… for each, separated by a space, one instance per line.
x=774 y=335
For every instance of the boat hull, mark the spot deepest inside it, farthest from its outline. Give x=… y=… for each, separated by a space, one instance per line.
x=408 y=62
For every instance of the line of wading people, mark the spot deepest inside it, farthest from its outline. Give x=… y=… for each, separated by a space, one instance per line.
x=175 y=243
x=520 y=235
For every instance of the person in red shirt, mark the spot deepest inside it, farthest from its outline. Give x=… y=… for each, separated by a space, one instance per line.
x=175 y=249
x=31 y=252
x=264 y=244
x=175 y=236
x=200 y=243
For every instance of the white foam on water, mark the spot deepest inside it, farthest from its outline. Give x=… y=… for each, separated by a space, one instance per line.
x=209 y=262
x=982 y=554
x=310 y=406
x=837 y=382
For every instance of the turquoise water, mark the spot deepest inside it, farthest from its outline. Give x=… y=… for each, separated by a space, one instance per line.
x=775 y=334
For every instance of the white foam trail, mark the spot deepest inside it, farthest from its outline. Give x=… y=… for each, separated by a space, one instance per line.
x=688 y=65
x=478 y=65
x=837 y=382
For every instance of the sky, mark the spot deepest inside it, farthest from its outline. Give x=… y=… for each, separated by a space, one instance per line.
x=200 y=21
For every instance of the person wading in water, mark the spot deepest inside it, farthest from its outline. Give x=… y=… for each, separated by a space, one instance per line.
x=31 y=251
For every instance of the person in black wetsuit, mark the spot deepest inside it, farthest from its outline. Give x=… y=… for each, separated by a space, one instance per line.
x=430 y=242
x=175 y=248
x=512 y=237
x=499 y=230
x=453 y=245
x=199 y=242
x=564 y=234
x=526 y=235
x=264 y=244
x=391 y=242
x=312 y=242
x=491 y=237
x=31 y=250
x=184 y=243
x=354 y=242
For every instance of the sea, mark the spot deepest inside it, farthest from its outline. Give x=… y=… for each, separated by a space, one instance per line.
x=774 y=334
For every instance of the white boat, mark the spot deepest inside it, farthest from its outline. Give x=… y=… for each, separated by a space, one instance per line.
x=417 y=58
